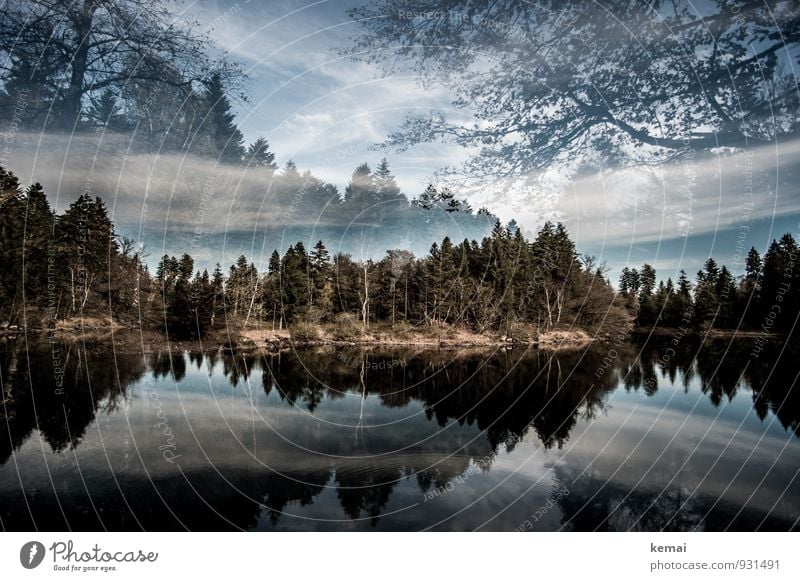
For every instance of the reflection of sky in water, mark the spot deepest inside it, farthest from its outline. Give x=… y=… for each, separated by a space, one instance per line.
x=361 y=460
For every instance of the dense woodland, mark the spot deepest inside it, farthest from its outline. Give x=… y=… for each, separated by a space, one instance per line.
x=138 y=68
x=58 y=267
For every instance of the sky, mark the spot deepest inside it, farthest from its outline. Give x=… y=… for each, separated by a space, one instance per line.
x=326 y=112
x=316 y=107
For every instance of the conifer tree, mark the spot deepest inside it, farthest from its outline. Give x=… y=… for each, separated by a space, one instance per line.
x=259 y=155
x=227 y=141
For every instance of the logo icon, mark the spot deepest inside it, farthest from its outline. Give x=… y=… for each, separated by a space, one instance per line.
x=31 y=554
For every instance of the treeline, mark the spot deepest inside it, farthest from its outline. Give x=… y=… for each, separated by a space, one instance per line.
x=62 y=266
x=766 y=297
x=75 y=262
x=493 y=285
x=372 y=213
x=59 y=266
x=55 y=267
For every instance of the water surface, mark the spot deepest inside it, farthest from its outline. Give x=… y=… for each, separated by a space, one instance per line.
x=629 y=437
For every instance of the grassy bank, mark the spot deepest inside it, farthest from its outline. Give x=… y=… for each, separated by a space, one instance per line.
x=98 y=330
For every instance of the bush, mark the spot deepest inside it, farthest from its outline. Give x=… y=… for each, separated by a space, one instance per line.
x=303 y=332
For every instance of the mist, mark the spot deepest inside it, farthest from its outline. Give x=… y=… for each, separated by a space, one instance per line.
x=174 y=203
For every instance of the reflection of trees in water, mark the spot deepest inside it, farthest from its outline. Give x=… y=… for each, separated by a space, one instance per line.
x=91 y=384
x=504 y=396
x=165 y=364
x=366 y=493
x=723 y=368
x=237 y=366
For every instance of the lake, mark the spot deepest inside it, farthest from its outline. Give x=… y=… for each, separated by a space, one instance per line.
x=641 y=435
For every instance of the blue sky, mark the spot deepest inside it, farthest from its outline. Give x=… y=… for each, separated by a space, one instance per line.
x=325 y=112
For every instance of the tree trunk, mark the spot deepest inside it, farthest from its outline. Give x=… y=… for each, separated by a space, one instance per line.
x=252 y=301
x=72 y=286
x=365 y=303
x=72 y=98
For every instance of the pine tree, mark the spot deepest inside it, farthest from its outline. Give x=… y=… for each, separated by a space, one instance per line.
x=428 y=199
x=218 y=297
x=780 y=283
x=271 y=291
x=259 y=155
x=647 y=307
x=706 y=298
x=386 y=185
x=226 y=139
x=360 y=193
x=295 y=287
x=320 y=265
x=727 y=298
x=105 y=113
x=39 y=228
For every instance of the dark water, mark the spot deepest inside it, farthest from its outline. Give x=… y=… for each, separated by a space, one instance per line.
x=640 y=437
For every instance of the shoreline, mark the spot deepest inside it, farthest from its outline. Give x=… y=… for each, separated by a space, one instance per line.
x=249 y=340
x=708 y=333
x=126 y=338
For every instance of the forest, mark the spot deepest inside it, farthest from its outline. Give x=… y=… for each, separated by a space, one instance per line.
x=60 y=267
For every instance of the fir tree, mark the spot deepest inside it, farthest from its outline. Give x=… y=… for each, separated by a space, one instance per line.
x=226 y=140
x=259 y=155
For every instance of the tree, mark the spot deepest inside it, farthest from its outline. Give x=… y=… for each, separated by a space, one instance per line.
x=428 y=198
x=555 y=265
x=727 y=298
x=227 y=142
x=386 y=184
x=629 y=285
x=218 y=300
x=648 y=313
x=29 y=81
x=271 y=291
x=360 y=195
x=780 y=284
x=295 y=288
x=259 y=155
x=95 y=45
x=85 y=240
x=320 y=273
x=39 y=226
x=750 y=289
x=706 y=296
x=681 y=314
x=629 y=80
x=105 y=113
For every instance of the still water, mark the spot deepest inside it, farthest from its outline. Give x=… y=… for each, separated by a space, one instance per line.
x=637 y=437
